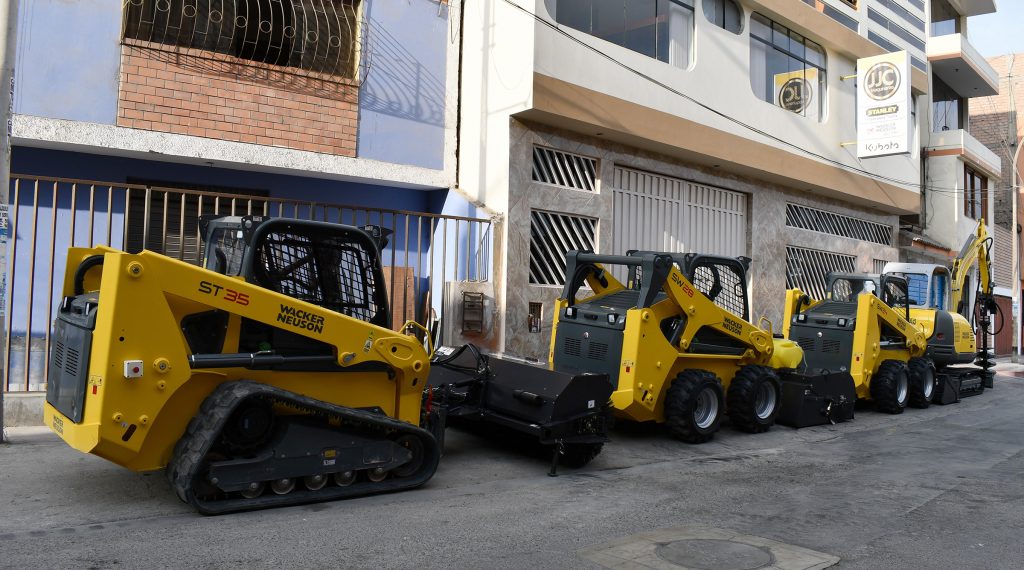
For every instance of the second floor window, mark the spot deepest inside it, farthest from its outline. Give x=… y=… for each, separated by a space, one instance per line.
x=660 y=29
x=975 y=194
x=318 y=36
x=947 y=108
x=787 y=69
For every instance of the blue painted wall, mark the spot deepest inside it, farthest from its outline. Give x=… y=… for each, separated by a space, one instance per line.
x=402 y=99
x=68 y=58
x=410 y=245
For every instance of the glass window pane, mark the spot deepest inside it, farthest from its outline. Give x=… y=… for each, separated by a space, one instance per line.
x=733 y=17
x=609 y=20
x=815 y=55
x=640 y=32
x=574 y=14
x=780 y=36
x=796 y=45
x=760 y=27
x=780 y=73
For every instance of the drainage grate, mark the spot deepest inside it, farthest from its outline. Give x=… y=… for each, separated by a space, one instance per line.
x=551 y=237
x=806 y=218
x=564 y=169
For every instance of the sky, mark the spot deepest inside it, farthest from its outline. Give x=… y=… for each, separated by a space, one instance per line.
x=999 y=33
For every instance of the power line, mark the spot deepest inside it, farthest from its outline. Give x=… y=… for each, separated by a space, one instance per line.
x=839 y=164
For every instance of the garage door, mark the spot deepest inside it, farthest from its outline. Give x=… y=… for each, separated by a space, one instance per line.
x=669 y=214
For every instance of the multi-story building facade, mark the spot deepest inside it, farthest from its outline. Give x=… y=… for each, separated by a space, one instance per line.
x=615 y=125
x=995 y=122
x=134 y=117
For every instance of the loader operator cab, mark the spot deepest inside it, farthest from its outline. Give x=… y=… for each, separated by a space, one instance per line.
x=825 y=331
x=329 y=265
x=590 y=332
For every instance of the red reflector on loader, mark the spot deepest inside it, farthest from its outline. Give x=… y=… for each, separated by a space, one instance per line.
x=94 y=390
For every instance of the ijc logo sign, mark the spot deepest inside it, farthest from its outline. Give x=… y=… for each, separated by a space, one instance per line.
x=795 y=95
x=882 y=81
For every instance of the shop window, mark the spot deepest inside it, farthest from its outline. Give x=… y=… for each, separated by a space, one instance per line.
x=787 y=69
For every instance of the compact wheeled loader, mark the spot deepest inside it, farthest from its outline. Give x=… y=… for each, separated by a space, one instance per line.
x=675 y=339
x=863 y=328
x=941 y=305
x=269 y=376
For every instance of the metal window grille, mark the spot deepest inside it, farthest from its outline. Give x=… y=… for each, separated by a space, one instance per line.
x=806 y=218
x=806 y=269
x=878 y=265
x=564 y=169
x=320 y=36
x=551 y=237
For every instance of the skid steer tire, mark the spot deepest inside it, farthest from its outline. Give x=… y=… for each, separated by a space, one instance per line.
x=693 y=406
x=922 y=382
x=752 y=401
x=890 y=387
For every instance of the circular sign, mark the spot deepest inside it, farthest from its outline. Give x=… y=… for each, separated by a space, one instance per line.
x=795 y=95
x=882 y=81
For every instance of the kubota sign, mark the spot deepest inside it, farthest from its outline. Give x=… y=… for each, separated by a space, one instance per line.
x=883 y=105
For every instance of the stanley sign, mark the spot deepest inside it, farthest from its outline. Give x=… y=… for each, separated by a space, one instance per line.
x=883 y=105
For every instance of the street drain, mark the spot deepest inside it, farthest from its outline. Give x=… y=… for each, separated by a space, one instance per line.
x=700 y=554
x=698 y=547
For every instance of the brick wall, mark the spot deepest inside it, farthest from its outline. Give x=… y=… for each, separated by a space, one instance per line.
x=990 y=123
x=217 y=96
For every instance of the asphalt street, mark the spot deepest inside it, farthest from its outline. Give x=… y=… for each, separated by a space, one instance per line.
x=935 y=488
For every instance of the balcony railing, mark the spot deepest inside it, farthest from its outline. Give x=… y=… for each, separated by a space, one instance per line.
x=48 y=215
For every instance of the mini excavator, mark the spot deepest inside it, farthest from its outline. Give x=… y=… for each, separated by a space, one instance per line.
x=269 y=376
x=942 y=305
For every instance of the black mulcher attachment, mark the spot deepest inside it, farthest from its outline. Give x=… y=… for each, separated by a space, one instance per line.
x=566 y=412
x=816 y=397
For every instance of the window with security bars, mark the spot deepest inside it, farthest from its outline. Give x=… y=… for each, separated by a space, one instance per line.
x=564 y=169
x=806 y=269
x=806 y=218
x=878 y=265
x=314 y=35
x=551 y=237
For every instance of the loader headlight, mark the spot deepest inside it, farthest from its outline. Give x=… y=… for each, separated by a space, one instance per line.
x=841 y=322
x=612 y=318
x=570 y=312
x=801 y=318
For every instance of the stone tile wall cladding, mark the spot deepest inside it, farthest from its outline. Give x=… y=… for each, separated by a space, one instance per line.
x=218 y=96
x=767 y=239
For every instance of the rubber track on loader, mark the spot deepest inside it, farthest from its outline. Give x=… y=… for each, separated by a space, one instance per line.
x=185 y=467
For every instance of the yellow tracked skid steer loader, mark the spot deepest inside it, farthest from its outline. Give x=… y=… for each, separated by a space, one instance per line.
x=269 y=376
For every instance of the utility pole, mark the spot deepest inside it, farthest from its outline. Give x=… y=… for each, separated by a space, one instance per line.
x=8 y=43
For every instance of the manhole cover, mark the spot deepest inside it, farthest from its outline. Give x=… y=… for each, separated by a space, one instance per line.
x=709 y=554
